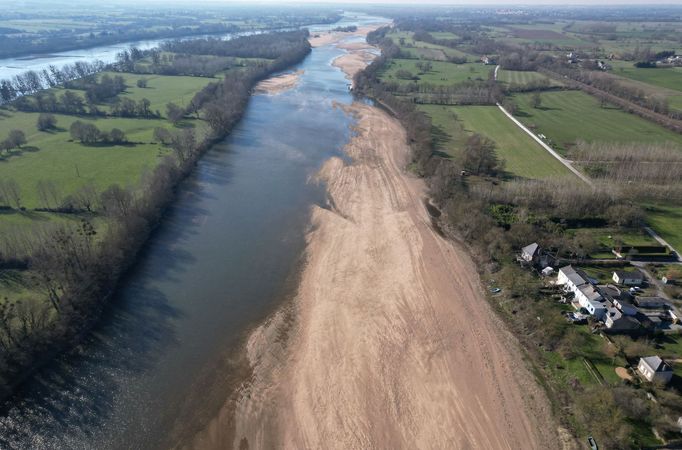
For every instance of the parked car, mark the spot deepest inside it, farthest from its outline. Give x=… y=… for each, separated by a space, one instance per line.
x=495 y=290
x=592 y=443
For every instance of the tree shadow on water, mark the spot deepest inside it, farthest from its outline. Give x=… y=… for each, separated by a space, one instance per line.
x=73 y=397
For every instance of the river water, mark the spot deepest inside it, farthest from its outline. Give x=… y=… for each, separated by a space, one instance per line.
x=107 y=53
x=161 y=363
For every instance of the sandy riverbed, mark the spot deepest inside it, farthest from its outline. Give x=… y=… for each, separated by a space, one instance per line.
x=389 y=342
x=277 y=85
x=392 y=344
x=333 y=37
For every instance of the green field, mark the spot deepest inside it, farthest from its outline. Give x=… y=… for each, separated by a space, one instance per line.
x=669 y=78
x=426 y=50
x=442 y=73
x=161 y=89
x=523 y=156
x=667 y=221
x=53 y=156
x=522 y=77
x=567 y=116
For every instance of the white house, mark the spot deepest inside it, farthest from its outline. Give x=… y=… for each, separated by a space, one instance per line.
x=627 y=278
x=571 y=278
x=530 y=252
x=654 y=369
x=590 y=299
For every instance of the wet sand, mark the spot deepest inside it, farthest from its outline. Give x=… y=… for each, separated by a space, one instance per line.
x=278 y=84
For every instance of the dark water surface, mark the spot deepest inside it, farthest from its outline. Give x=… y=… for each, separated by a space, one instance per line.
x=220 y=262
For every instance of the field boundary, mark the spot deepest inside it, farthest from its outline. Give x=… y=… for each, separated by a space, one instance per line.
x=553 y=152
x=662 y=241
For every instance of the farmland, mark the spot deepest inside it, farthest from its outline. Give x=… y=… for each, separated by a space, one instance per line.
x=524 y=77
x=441 y=73
x=53 y=156
x=523 y=157
x=667 y=221
x=567 y=116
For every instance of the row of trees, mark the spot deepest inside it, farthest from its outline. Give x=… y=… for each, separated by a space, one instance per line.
x=496 y=219
x=31 y=81
x=88 y=133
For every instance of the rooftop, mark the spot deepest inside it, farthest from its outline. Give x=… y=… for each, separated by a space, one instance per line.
x=656 y=364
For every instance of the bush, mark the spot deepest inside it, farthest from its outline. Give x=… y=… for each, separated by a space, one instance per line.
x=87 y=133
x=46 y=122
x=117 y=136
x=142 y=83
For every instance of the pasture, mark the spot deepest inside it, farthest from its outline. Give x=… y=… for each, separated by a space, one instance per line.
x=568 y=116
x=519 y=77
x=54 y=156
x=524 y=157
x=441 y=73
x=667 y=221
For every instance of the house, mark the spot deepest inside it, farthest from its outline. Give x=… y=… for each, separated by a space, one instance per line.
x=589 y=298
x=586 y=295
x=652 y=302
x=616 y=321
x=571 y=278
x=654 y=369
x=628 y=278
x=530 y=252
x=625 y=306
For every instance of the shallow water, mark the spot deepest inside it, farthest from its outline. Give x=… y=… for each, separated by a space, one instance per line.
x=155 y=369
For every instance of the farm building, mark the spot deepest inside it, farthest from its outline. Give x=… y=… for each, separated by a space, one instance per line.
x=654 y=369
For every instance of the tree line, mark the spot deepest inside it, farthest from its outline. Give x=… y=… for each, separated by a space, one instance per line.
x=494 y=220
x=77 y=272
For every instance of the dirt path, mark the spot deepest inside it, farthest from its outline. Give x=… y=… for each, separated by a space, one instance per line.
x=391 y=343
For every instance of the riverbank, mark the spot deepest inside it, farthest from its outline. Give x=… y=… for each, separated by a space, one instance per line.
x=88 y=271
x=393 y=343
x=278 y=84
x=389 y=341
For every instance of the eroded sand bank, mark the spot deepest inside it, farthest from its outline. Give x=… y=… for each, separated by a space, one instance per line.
x=278 y=84
x=389 y=342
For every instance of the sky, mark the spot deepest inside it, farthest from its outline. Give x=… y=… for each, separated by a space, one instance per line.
x=418 y=3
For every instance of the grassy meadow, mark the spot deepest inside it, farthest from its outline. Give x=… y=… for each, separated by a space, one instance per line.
x=442 y=73
x=524 y=157
x=567 y=116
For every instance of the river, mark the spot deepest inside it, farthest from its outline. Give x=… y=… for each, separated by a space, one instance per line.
x=107 y=53
x=162 y=362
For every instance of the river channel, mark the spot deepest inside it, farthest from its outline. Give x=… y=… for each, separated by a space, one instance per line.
x=163 y=359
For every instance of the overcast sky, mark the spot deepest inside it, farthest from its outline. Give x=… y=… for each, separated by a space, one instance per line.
x=417 y=3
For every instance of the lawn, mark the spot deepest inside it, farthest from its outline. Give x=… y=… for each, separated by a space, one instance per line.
x=567 y=116
x=442 y=73
x=523 y=156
